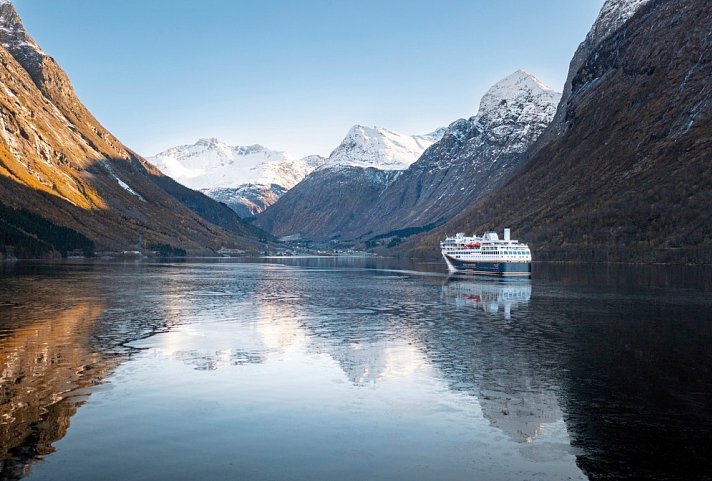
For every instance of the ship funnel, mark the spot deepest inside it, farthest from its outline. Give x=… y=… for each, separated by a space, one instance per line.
x=507 y=235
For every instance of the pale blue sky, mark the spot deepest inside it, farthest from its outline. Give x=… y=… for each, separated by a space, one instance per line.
x=296 y=75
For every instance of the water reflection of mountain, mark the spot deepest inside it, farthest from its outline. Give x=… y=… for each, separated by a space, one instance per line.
x=60 y=334
x=248 y=319
x=488 y=296
x=497 y=357
x=391 y=325
x=44 y=362
x=625 y=361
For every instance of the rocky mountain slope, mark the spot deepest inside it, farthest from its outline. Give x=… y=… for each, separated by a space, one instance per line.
x=59 y=163
x=612 y=16
x=472 y=158
x=629 y=176
x=328 y=200
x=246 y=178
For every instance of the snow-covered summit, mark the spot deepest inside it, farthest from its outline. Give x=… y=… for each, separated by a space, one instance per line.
x=521 y=93
x=247 y=178
x=512 y=114
x=380 y=148
x=613 y=15
x=210 y=163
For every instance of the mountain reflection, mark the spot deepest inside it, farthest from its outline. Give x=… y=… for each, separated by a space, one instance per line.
x=63 y=329
x=477 y=351
x=495 y=360
x=44 y=362
x=372 y=362
x=248 y=322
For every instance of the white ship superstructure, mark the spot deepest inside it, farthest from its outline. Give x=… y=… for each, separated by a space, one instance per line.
x=487 y=255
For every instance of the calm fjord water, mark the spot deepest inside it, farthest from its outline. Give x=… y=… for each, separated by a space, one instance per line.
x=343 y=369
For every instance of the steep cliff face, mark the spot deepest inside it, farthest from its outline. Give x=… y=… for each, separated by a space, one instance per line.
x=329 y=201
x=613 y=15
x=57 y=161
x=54 y=84
x=629 y=178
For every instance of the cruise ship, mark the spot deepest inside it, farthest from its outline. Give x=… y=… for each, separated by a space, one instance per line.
x=487 y=255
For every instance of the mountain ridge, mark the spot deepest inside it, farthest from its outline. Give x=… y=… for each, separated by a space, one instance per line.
x=326 y=201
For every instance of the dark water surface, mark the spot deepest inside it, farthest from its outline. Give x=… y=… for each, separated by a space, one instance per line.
x=353 y=369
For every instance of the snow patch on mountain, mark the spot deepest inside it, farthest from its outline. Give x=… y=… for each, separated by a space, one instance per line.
x=380 y=148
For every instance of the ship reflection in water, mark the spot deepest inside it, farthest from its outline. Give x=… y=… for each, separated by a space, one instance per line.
x=251 y=371
x=490 y=296
x=512 y=392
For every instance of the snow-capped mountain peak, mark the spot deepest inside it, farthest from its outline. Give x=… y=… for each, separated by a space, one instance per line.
x=512 y=114
x=247 y=178
x=513 y=109
x=519 y=87
x=211 y=163
x=380 y=148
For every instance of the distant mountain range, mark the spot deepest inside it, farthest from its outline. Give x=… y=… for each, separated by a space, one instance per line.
x=246 y=178
x=67 y=184
x=364 y=200
x=251 y=178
